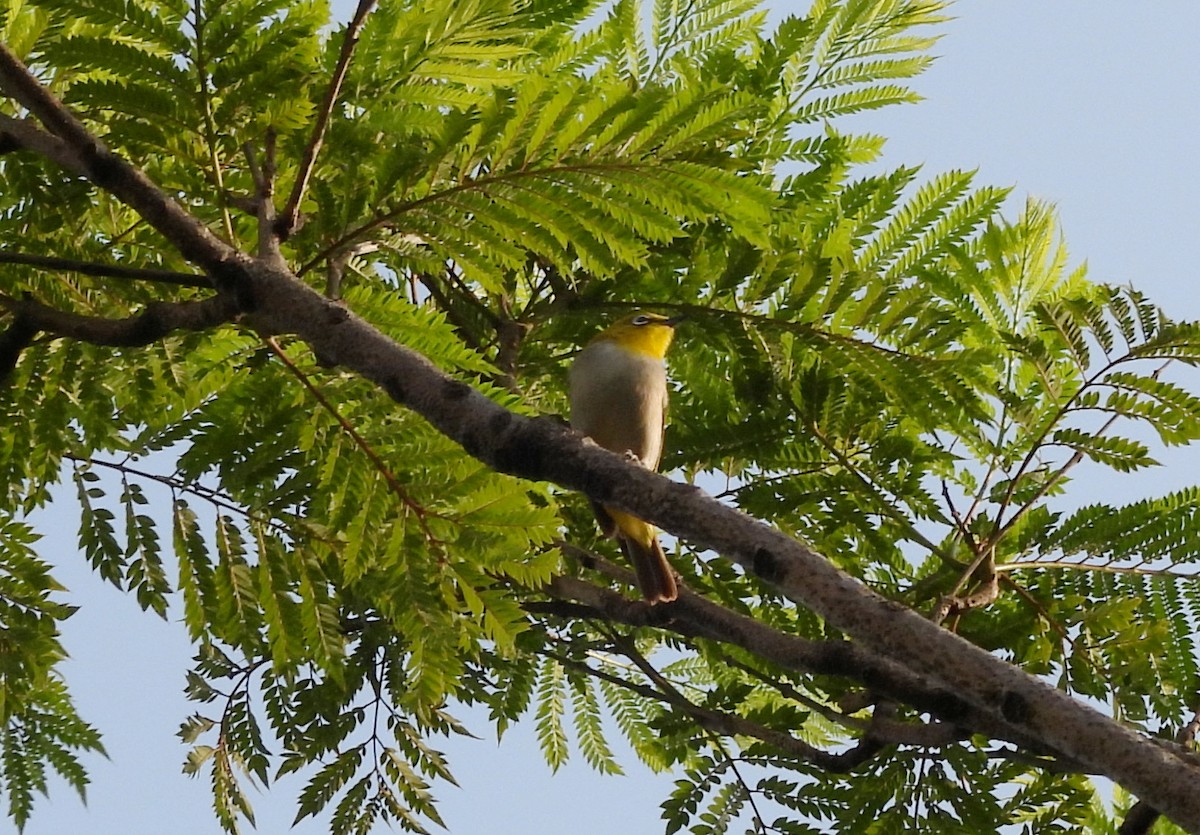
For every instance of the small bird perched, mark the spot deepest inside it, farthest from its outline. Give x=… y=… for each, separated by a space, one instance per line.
x=619 y=400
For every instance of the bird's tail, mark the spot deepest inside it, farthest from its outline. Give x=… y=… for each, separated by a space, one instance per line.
x=640 y=543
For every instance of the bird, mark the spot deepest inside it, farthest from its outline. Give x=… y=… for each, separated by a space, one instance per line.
x=618 y=391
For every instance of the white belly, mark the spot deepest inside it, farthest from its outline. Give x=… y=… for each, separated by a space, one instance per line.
x=618 y=399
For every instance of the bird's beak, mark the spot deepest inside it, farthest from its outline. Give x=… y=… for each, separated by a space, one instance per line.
x=675 y=320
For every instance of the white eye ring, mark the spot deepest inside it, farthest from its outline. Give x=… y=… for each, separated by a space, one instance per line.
x=641 y=320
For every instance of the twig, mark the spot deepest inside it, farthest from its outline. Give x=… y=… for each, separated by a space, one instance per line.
x=220 y=501
x=760 y=823
x=290 y=216
x=48 y=262
x=1084 y=566
x=694 y=616
x=952 y=603
x=510 y=334
x=444 y=303
x=418 y=510
x=730 y=724
x=264 y=199
x=335 y=270
x=960 y=522
x=209 y=128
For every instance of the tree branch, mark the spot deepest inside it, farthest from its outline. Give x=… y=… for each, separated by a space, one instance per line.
x=289 y=218
x=1142 y=816
x=696 y=617
x=15 y=339
x=335 y=269
x=985 y=594
x=510 y=335
x=47 y=262
x=544 y=450
x=24 y=135
x=927 y=735
x=264 y=198
x=723 y=724
x=730 y=724
x=158 y=320
x=73 y=147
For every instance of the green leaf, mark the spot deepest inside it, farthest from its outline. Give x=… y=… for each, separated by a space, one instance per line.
x=551 y=704
x=327 y=783
x=1122 y=454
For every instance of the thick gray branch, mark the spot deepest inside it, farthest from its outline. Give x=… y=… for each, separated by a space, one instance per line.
x=1142 y=816
x=543 y=450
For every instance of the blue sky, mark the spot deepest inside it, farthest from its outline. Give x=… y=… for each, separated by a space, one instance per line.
x=1091 y=106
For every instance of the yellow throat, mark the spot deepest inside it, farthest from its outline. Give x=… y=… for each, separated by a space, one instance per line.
x=642 y=333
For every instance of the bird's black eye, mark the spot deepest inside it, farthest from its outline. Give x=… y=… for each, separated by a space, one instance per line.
x=640 y=320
